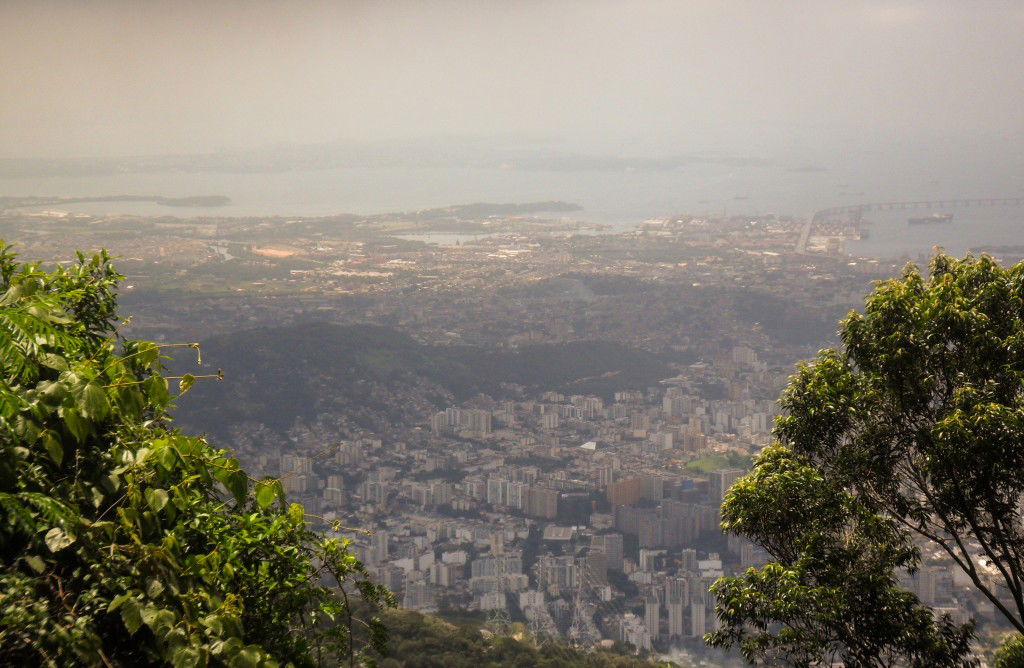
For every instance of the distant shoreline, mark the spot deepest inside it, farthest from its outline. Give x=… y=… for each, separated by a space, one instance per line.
x=197 y=201
x=1011 y=248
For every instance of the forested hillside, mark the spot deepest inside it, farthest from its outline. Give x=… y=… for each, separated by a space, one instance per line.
x=369 y=373
x=426 y=641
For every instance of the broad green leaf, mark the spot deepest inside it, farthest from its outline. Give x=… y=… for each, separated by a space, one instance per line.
x=13 y=294
x=185 y=657
x=117 y=601
x=150 y=615
x=156 y=390
x=94 y=403
x=57 y=539
x=53 y=391
x=26 y=429
x=296 y=513
x=131 y=615
x=147 y=353
x=154 y=588
x=39 y=312
x=159 y=620
x=36 y=563
x=265 y=493
x=227 y=647
x=132 y=400
x=213 y=623
x=186 y=383
x=112 y=482
x=249 y=657
x=167 y=458
x=162 y=624
x=237 y=483
x=53 y=447
x=156 y=498
x=75 y=423
x=55 y=362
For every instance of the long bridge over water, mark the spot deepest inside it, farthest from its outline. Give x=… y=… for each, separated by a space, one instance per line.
x=857 y=211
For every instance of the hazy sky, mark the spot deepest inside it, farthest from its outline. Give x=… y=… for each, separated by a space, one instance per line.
x=761 y=78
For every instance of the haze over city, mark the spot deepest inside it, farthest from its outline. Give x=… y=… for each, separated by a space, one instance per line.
x=789 y=80
x=586 y=334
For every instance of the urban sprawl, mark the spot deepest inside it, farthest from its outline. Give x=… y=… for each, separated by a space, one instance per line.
x=588 y=508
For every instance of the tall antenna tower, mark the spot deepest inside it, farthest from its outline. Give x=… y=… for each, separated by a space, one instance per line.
x=541 y=623
x=580 y=631
x=498 y=621
x=542 y=626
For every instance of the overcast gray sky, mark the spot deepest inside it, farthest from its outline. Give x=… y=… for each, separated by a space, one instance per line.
x=137 y=77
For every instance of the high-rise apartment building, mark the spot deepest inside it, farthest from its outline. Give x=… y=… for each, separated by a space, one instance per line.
x=720 y=481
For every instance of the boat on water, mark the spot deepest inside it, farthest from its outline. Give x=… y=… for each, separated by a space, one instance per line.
x=932 y=218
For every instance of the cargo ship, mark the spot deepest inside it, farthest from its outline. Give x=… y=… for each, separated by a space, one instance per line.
x=933 y=218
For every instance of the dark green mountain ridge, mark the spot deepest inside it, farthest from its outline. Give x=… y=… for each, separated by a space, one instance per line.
x=277 y=374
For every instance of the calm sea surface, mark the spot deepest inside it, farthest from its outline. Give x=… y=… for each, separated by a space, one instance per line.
x=621 y=198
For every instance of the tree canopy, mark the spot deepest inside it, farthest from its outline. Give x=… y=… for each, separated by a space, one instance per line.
x=910 y=435
x=124 y=541
x=423 y=641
